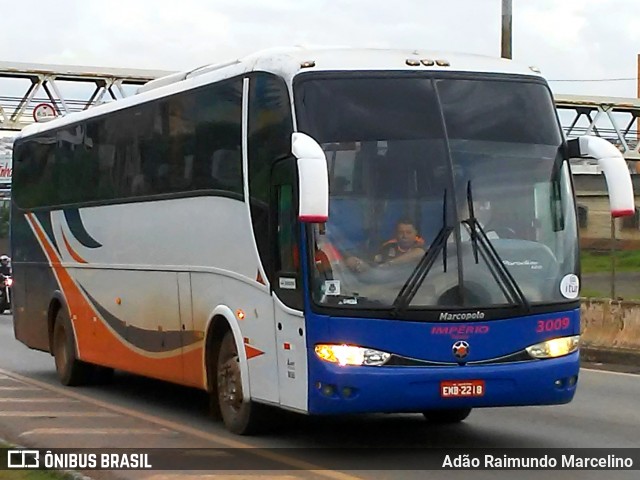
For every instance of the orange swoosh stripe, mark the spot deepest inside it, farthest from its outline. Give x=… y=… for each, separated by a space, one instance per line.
x=73 y=253
x=97 y=344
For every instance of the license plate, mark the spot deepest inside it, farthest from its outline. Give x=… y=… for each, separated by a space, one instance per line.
x=461 y=388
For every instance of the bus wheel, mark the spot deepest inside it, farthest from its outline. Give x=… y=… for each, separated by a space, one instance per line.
x=71 y=371
x=456 y=415
x=240 y=417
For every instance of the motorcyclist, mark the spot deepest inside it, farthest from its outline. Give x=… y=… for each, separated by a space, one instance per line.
x=5 y=265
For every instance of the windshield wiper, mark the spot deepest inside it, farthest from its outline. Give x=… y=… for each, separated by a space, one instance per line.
x=481 y=243
x=415 y=280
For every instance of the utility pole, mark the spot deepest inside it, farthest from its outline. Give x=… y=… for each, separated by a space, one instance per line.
x=506 y=31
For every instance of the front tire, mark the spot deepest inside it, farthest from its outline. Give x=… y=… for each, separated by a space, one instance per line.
x=239 y=416
x=444 y=417
x=71 y=371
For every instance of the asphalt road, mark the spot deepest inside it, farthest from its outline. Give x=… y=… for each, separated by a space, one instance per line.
x=604 y=413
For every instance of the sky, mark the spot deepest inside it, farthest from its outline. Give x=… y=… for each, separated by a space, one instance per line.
x=567 y=39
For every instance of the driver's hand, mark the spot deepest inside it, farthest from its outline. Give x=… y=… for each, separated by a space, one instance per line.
x=360 y=266
x=356 y=264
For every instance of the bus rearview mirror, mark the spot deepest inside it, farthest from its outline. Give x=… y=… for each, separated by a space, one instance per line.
x=313 y=178
x=613 y=166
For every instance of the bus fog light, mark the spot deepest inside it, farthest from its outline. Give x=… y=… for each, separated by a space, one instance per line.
x=328 y=390
x=351 y=355
x=556 y=347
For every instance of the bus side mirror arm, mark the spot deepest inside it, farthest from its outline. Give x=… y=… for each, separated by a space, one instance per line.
x=313 y=177
x=614 y=167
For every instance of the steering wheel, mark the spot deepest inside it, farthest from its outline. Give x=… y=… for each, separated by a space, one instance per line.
x=323 y=265
x=501 y=231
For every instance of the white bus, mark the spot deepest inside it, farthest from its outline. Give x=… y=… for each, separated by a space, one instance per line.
x=325 y=231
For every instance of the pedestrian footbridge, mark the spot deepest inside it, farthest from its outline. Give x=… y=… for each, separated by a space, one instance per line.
x=613 y=118
x=29 y=90
x=61 y=89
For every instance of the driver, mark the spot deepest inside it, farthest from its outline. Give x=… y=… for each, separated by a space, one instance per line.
x=406 y=246
x=482 y=213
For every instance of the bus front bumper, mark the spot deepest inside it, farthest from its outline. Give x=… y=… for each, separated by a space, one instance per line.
x=335 y=390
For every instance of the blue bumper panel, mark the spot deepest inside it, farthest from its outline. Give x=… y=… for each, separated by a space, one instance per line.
x=433 y=341
x=336 y=390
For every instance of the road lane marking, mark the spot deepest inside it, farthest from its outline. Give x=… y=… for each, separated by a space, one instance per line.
x=171 y=425
x=15 y=389
x=37 y=400
x=612 y=373
x=240 y=476
x=95 y=431
x=56 y=414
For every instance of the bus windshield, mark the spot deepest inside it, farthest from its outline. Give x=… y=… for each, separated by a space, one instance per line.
x=444 y=192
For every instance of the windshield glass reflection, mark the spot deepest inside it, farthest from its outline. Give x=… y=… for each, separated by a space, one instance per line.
x=400 y=176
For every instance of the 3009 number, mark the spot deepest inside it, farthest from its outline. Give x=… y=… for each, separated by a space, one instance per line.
x=553 y=324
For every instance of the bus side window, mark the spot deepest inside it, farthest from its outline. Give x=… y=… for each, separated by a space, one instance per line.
x=270 y=125
x=288 y=258
x=286 y=268
x=226 y=170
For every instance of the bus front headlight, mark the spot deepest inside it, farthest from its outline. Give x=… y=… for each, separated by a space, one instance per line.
x=556 y=347
x=351 y=355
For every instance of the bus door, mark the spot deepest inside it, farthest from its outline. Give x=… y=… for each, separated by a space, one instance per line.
x=287 y=289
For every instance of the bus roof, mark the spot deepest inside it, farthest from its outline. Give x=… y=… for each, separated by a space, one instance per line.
x=288 y=62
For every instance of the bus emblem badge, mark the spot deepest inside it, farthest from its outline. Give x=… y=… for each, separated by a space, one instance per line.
x=460 y=349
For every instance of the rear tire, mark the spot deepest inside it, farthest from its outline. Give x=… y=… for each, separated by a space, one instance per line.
x=71 y=371
x=239 y=416
x=444 y=417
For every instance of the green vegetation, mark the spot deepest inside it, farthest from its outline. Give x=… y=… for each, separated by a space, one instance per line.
x=28 y=474
x=596 y=274
x=595 y=262
x=592 y=293
x=31 y=475
x=4 y=220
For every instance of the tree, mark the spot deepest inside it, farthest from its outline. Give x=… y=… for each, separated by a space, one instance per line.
x=4 y=220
